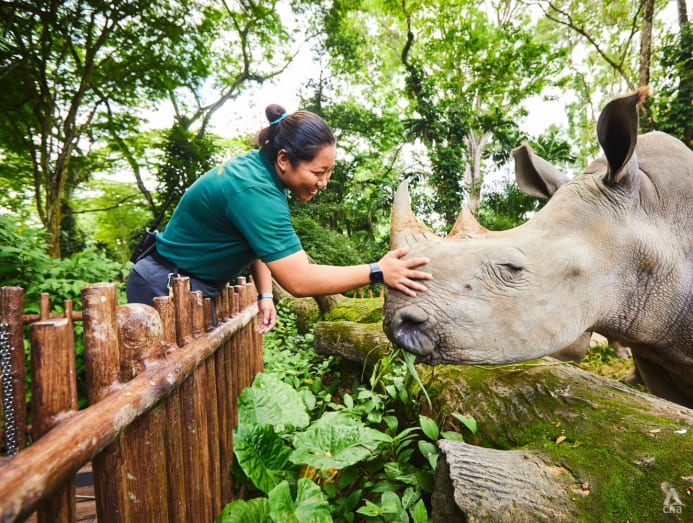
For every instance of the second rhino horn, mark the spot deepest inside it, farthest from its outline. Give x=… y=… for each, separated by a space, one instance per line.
x=467 y=226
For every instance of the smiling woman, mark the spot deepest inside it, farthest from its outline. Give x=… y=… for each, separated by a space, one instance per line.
x=237 y=216
x=303 y=148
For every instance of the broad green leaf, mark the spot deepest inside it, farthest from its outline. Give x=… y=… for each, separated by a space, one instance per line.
x=394 y=472
x=309 y=506
x=308 y=398
x=420 y=514
x=467 y=421
x=410 y=496
x=263 y=456
x=429 y=427
x=336 y=441
x=392 y=423
x=271 y=401
x=430 y=452
x=452 y=435
x=370 y=509
x=390 y=503
x=253 y=511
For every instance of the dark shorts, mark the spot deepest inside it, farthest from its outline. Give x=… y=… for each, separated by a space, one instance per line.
x=150 y=278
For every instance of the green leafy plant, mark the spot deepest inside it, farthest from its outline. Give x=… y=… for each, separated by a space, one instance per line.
x=306 y=505
x=24 y=263
x=310 y=445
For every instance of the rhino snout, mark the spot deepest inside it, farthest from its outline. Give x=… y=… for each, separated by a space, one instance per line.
x=409 y=331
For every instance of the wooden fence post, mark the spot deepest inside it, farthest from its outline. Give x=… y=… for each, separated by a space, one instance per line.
x=174 y=425
x=196 y=458
x=224 y=411
x=143 y=442
x=102 y=362
x=54 y=396
x=14 y=405
x=208 y=395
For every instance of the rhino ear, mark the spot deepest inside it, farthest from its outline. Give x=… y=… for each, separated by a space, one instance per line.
x=617 y=132
x=534 y=175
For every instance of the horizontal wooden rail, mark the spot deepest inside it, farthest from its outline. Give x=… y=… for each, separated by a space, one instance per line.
x=49 y=461
x=73 y=315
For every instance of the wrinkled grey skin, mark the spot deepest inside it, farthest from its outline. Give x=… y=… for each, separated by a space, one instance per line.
x=611 y=252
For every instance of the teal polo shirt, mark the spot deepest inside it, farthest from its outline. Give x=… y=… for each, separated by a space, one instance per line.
x=229 y=217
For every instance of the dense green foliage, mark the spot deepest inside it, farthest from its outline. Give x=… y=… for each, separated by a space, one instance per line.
x=316 y=443
x=506 y=209
x=436 y=93
x=68 y=68
x=674 y=103
x=187 y=156
x=25 y=263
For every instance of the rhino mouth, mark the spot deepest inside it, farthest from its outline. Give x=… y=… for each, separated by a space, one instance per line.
x=410 y=332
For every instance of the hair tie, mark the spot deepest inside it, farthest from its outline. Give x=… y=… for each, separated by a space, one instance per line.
x=275 y=122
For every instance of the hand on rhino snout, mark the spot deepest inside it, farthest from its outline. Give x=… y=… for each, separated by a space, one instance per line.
x=401 y=274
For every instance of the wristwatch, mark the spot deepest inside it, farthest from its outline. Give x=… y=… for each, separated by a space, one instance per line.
x=376 y=274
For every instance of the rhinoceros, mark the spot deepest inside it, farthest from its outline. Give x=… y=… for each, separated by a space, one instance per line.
x=611 y=251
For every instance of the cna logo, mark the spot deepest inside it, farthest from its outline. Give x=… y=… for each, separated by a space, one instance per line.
x=672 y=503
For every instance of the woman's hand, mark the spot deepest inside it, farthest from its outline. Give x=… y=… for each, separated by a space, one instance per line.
x=267 y=318
x=401 y=274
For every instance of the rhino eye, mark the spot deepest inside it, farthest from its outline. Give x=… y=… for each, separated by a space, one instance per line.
x=509 y=272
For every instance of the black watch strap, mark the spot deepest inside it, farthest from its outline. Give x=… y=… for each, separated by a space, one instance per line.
x=376 y=274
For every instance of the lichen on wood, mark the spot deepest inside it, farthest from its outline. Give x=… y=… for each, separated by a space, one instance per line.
x=620 y=445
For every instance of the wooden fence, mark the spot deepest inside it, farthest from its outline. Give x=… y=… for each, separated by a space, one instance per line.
x=366 y=292
x=162 y=385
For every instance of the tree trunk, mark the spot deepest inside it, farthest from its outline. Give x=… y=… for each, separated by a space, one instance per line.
x=554 y=443
x=685 y=90
x=645 y=43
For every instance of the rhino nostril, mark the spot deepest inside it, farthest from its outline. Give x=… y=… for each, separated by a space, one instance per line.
x=412 y=315
x=406 y=327
x=409 y=331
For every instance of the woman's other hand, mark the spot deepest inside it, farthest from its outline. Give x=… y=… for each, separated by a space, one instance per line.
x=267 y=317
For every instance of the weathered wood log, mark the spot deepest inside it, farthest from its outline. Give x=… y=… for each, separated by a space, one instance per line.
x=622 y=447
x=358 y=342
x=501 y=485
x=592 y=448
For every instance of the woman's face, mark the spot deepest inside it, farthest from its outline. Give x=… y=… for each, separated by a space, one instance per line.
x=306 y=178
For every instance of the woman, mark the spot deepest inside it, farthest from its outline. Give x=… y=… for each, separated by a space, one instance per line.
x=237 y=215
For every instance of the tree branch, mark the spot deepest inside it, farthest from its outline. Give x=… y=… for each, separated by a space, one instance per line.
x=110 y=207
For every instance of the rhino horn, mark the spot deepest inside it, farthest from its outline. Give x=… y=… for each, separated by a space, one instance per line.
x=534 y=175
x=617 y=131
x=405 y=227
x=467 y=226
